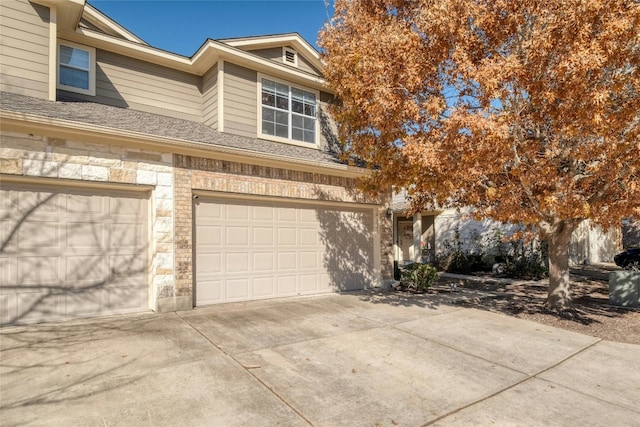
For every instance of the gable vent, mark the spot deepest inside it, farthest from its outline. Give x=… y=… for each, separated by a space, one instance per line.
x=290 y=57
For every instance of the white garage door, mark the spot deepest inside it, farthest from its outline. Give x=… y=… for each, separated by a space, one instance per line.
x=71 y=253
x=252 y=250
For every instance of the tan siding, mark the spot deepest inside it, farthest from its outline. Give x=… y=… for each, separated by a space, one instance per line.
x=275 y=54
x=210 y=97
x=24 y=48
x=240 y=100
x=130 y=83
x=305 y=65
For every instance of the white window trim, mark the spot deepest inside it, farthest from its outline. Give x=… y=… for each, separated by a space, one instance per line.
x=261 y=135
x=284 y=56
x=92 y=69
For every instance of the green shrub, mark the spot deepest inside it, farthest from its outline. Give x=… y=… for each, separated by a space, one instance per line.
x=419 y=277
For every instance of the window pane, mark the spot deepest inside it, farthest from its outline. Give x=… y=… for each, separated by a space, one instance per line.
x=74 y=77
x=282 y=118
x=309 y=136
x=268 y=99
x=268 y=114
x=296 y=121
x=309 y=124
x=310 y=97
x=297 y=134
x=282 y=130
x=282 y=103
x=268 y=128
x=282 y=89
x=74 y=57
x=297 y=94
x=297 y=107
x=309 y=110
x=268 y=84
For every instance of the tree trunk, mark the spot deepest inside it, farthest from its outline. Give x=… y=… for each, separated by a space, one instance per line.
x=558 y=237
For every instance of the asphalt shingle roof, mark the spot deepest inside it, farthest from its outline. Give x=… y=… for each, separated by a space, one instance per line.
x=155 y=125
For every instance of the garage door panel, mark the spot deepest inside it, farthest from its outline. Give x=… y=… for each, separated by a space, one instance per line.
x=236 y=262
x=237 y=236
x=287 y=214
x=263 y=236
x=124 y=298
x=126 y=235
x=85 y=204
x=286 y=285
x=85 y=270
x=263 y=213
x=39 y=270
x=70 y=249
x=308 y=283
x=237 y=289
x=309 y=236
x=210 y=291
x=308 y=260
x=287 y=260
x=82 y=235
x=237 y=212
x=209 y=263
x=264 y=262
x=287 y=236
x=263 y=287
x=291 y=249
x=39 y=234
x=124 y=207
x=210 y=235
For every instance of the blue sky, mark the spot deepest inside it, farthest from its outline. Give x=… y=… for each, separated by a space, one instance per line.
x=181 y=26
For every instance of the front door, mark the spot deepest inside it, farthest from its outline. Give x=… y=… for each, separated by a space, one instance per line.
x=405 y=240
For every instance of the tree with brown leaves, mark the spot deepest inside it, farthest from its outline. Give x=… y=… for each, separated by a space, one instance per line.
x=527 y=110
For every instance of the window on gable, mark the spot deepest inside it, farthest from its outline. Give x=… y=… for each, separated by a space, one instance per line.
x=288 y=112
x=76 y=68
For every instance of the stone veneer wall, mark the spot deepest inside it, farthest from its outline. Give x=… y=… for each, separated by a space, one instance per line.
x=192 y=173
x=37 y=156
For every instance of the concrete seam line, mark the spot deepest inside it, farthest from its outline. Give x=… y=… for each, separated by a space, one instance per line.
x=247 y=370
x=529 y=377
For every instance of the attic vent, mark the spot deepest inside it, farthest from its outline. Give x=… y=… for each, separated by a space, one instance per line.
x=290 y=57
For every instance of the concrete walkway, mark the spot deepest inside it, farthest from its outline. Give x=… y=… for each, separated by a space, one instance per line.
x=371 y=358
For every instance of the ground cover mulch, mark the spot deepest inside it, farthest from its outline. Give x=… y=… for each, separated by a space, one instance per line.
x=591 y=313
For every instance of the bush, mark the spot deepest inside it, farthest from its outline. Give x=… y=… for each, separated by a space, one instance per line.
x=419 y=277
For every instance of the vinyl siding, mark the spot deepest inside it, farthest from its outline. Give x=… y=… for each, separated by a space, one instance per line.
x=275 y=54
x=130 y=83
x=210 y=97
x=24 y=48
x=240 y=100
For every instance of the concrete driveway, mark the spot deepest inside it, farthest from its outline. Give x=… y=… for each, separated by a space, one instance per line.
x=371 y=358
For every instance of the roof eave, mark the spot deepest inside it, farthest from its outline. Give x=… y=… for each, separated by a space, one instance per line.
x=59 y=128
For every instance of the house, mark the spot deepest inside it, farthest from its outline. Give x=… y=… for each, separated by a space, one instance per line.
x=426 y=234
x=136 y=179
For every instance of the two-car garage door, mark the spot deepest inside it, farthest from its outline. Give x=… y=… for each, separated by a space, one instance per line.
x=69 y=253
x=248 y=250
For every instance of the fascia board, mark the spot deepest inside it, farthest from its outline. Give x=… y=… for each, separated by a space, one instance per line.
x=127 y=48
x=58 y=128
x=294 y=39
x=97 y=18
x=201 y=62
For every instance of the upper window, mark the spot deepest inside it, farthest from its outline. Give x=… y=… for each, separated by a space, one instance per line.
x=288 y=112
x=76 y=68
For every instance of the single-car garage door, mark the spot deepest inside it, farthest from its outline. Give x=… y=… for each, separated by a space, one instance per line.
x=251 y=250
x=71 y=253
